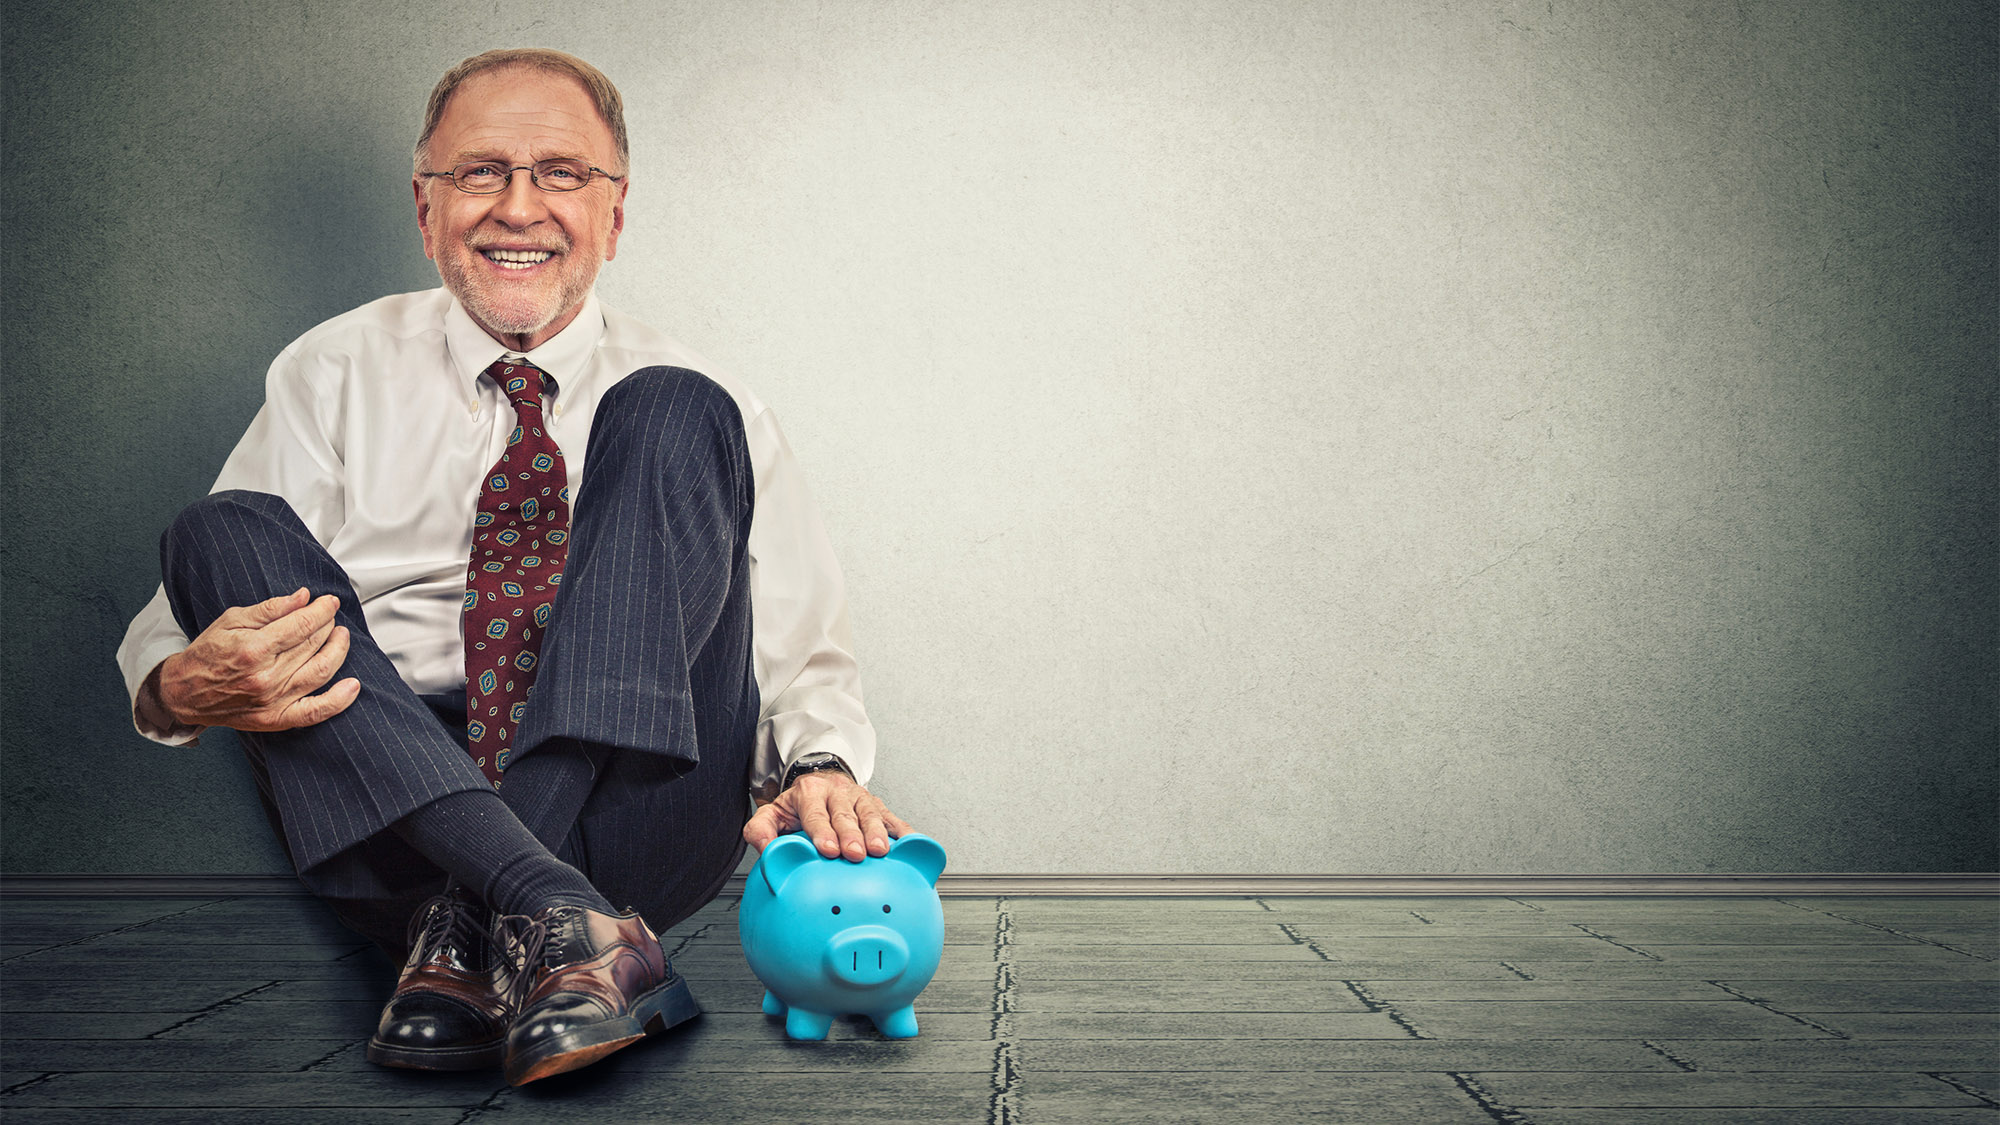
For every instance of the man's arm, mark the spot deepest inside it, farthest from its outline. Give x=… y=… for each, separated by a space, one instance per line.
x=149 y=641
x=255 y=668
x=806 y=671
x=807 y=675
x=250 y=669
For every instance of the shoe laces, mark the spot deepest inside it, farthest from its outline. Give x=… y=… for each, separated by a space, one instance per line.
x=519 y=939
x=447 y=922
x=522 y=942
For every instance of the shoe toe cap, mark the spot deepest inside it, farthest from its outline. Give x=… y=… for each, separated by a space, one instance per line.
x=555 y=1017
x=426 y=1020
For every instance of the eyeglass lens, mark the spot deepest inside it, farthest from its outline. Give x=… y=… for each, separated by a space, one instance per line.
x=485 y=177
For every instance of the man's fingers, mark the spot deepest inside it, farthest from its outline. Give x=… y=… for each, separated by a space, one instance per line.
x=270 y=609
x=280 y=679
x=895 y=825
x=770 y=823
x=319 y=708
x=835 y=798
x=872 y=829
x=841 y=819
x=847 y=823
x=319 y=667
x=819 y=828
x=294 y=669
x=299 y=627
x=762 y=829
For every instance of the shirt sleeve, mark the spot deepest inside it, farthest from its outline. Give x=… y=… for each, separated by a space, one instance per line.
x=806 y=671
x=288 y=451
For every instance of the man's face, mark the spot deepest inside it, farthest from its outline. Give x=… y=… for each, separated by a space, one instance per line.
x=521 y=261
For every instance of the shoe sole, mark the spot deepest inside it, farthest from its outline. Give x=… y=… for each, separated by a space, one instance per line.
x=481 y=1057
x=653 y=1012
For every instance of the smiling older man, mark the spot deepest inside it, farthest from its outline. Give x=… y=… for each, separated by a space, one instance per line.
x=497 y=536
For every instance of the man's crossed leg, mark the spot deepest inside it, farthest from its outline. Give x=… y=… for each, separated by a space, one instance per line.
x=628 y=783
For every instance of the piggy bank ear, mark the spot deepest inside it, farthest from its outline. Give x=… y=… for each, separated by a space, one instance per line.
x=920 y=852
x=782 y=857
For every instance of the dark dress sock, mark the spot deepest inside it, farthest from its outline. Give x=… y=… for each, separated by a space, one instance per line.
x=548 y=788
x=482 y=845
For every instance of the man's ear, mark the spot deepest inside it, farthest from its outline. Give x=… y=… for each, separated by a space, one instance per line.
x=423 y=216
x=617 y=220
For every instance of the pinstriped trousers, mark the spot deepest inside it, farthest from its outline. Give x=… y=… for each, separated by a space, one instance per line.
x=648 y=653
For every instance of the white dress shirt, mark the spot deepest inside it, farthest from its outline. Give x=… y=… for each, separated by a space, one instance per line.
x=378 y=430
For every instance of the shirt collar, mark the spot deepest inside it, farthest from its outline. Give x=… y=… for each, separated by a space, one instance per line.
x=563 y=355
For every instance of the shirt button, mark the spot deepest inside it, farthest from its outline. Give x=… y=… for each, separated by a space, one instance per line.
x=558 y=410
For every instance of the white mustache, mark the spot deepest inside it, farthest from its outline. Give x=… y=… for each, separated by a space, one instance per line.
x=478 y=245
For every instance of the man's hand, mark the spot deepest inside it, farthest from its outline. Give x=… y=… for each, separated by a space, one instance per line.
x=839 y=816
x=256 y=667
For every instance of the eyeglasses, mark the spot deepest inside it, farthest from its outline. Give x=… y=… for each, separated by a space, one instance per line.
x=490 y=177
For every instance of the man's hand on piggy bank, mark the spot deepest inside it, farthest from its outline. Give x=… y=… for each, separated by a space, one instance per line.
x=842 y=818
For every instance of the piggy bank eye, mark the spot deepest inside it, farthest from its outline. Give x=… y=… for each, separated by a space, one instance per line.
x=836 y=910
x=885 y=908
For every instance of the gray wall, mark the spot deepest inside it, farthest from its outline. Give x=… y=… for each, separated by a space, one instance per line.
x=1278 y=437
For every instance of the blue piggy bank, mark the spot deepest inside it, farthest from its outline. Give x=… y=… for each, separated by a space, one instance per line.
x=829 y=937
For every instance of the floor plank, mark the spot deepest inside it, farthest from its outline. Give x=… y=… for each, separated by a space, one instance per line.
x=1553 y=1010
x=1723 y=1091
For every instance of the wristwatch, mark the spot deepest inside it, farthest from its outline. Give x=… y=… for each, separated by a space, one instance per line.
x=813 y=763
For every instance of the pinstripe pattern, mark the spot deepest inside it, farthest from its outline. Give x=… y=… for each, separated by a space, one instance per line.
x=658 y=560
x=379 y=760
x=648 y=650
x=651 y=645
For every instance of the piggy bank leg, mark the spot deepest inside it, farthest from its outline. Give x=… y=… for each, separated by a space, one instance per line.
x=772 y=1005
x=801 y=1024
x=899 y=1024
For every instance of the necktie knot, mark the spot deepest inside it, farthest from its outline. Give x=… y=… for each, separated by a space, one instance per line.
x=519 y=380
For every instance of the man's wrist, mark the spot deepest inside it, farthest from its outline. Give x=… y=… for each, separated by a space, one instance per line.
x=814 y=763
x=151 y=705
x=155 y=719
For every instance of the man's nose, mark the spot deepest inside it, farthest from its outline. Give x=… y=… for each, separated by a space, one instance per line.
x=520 y=203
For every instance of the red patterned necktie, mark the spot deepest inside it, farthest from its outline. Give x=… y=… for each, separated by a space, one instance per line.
x=520 y=538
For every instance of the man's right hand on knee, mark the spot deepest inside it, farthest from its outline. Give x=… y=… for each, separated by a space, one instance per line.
x=255 y=668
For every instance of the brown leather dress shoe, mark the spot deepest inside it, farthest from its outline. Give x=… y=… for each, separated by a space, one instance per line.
x=454 y=1002
x=593 y=983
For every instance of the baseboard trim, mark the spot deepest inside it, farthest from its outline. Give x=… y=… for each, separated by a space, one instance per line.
x=1117 y=886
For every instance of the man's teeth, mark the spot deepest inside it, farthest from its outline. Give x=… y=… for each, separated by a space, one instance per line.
x=517 y=259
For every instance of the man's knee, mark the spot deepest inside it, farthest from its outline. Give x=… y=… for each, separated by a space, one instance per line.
x=225 y=514
x=666 y=398
x=676 y=424
x=240 y=547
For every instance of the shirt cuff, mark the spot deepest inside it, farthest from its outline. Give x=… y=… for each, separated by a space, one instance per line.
x=177 y=735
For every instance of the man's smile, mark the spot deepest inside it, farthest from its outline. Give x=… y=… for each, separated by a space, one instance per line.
x=517 y=259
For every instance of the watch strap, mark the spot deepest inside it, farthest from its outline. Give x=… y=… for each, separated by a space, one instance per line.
x=813 y=763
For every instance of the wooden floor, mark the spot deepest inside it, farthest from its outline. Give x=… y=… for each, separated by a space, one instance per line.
x=1693 y=1011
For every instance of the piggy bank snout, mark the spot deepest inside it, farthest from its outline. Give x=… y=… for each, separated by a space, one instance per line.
x=867 y=955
